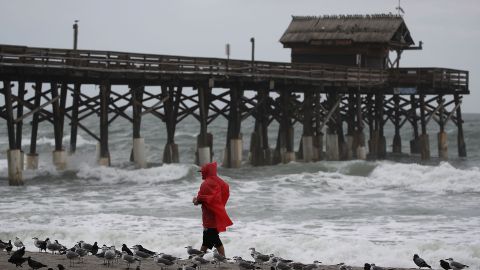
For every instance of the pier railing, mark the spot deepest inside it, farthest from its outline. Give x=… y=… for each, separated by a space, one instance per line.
x=50 y=59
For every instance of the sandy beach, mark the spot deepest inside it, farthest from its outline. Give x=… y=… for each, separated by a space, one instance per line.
x=93 y=263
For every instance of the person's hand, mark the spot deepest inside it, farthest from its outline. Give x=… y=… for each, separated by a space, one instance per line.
x=195 y=201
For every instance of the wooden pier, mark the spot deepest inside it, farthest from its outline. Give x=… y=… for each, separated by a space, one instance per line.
x=336 y=104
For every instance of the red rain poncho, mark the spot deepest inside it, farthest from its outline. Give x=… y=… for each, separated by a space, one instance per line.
x=213 y=195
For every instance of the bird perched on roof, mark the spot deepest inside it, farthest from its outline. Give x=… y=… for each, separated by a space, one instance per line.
x=34 y=264
x=18 y=243
x=420 y=262
x=192 y=251
x=445 y=265
x=456 y=265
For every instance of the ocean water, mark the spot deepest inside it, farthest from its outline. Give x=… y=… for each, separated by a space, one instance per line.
x=354 y=212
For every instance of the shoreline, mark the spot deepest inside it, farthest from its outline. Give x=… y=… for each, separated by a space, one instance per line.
x=93 y=263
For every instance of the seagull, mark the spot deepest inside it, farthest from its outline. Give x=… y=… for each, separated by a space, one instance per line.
x=445 y=265
x=456 y=265
x=129 y=259
x=34 y=264
x=94 y=248
x=81 y=252
x=18 y=243
x=259 y=257
x=168 y=257
x=164 y=263
x=199 y=260
x=126 y=249
x=242 y=264
x=192 y=251
x=10 y=247
x=312 y=266
x=72 y=255
x=17 y=261
x=142 y=249
x=60 y=267
x=282 y=266
x=367 y=266
x=140 y=254
x=374 y=267
x=296 y=265
x=186 y=267
x=110 y=255
x=343 y=266
x=420 y=262
x=53 y=246
x=18 y=254
x=219 y=258
x=3 y=245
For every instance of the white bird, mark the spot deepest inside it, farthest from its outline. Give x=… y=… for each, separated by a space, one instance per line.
x=259 y=257
x=192 y=251
x=129 y=259
x=110 y=255
x=18 y=243
x=456 y=265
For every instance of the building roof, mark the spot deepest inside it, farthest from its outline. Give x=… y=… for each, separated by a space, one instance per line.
x=377 y=28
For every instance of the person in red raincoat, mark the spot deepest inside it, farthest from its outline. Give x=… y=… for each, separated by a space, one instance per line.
x=213 y=196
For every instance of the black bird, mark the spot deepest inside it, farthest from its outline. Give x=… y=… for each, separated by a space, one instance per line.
x=94 y=249
x=3 y=245
x=10 y=247
x=34 y=264
x=42 y=245
x=445 y=265
x=18 y=261
x=142 y=249
x=18 y=253
x=126 y=249
x=367 y=266
x=60 y=267
x=420 y=262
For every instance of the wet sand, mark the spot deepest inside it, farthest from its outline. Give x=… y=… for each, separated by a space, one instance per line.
x=94 y=263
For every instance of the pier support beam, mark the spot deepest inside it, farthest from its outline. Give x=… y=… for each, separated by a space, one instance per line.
x=59 y=158
x=332 y=151
x=204 y=140
x=138 y=151
x=360 y=151
x=14 y=156
x=350 y=119
x=424 y=140
x=74 y=120
x=318 y=138
x=32 y=156
x=234 y=144
x=19 y=124
x=284 y=151
x=379 y=123
x=415 y=142
x=170 y=153
x=260 y=153
x=462 y=150
x=307 y=137
x=104 y=157
x=397 y=141
x=442 y=135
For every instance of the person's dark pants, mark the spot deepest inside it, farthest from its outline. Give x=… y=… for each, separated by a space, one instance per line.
x=211 y=238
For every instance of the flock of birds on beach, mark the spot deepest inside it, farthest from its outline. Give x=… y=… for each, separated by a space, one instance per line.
x=196 y=259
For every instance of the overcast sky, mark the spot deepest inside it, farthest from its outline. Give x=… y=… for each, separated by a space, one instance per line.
x=449 y=29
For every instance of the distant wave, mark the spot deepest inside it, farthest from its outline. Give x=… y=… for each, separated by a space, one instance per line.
x=51 y=141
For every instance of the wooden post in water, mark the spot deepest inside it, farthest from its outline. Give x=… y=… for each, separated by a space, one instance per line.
x=18 y=133
x=32 y=156
x=260 y=153
x=318 y=138
x=360 y=151
x=331 y=141
x=234 y=144
x=204 y=139
x=351 y=144
x=308 y=150
x=58 y=156
x=284 y=151
x=74 y=120
x=424 y=141
x=442 y=135
x=104 y=158
x=397 y=140
x=462 y=150
x=372 y=144
x=15 y=168
x=415 y=141
x=170 y=153
x=342 y=144
x=138 y=149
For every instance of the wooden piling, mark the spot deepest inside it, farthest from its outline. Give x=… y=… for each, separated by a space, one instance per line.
x=308 y=150
x=138 y=143
x=415 y=141
x=462 y=150
x=332 y=150
x=360 y=150
x=397 y=141
x=204 y=150
x=260 y=153
x=104 y=158
x=284 y=151
x=15 y=168
x=318 y=139
x=74 y=119
x=424 y=141
x=234 y=145
x=32 y=156
x=170 y=153
x=379 y=124
x=58 y=155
